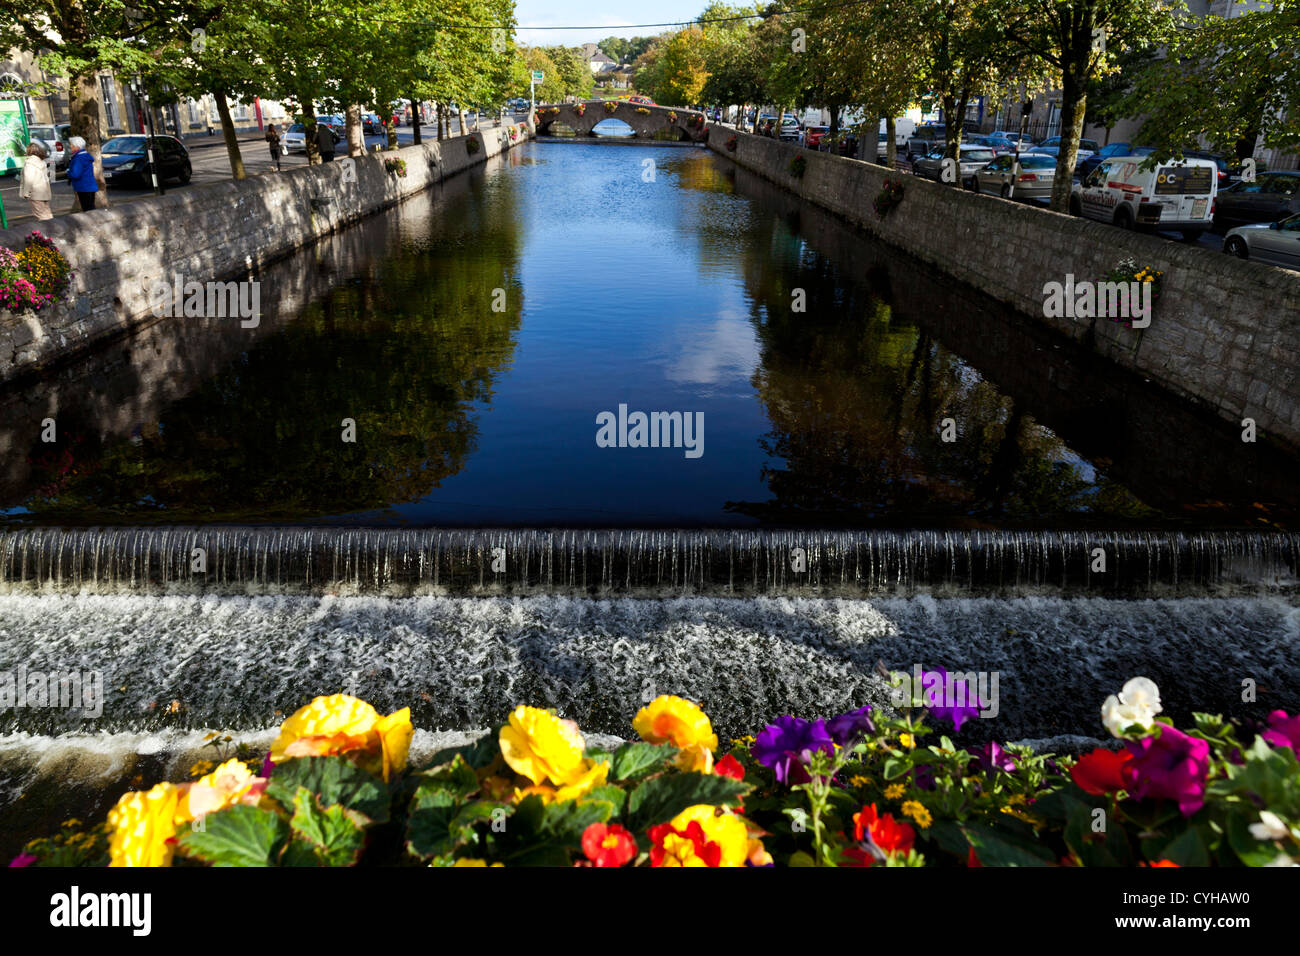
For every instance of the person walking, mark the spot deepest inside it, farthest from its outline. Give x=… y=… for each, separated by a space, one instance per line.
x=35 y=186
x=325 y=142
x=273 y=138
x=81 y=174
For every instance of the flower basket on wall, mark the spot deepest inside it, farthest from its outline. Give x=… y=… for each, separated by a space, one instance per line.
x=731 y=143
x=890 y=195
x=471 y=145
x=580 y=108
x=798 y=166
x=397 y=166
x=611 y=106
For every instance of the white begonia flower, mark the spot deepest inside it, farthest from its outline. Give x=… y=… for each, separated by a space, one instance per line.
x=1270 y=827
x=1138 y=703
x=1283 y=860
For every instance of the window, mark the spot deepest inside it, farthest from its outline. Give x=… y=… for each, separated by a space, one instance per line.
x=110 y=101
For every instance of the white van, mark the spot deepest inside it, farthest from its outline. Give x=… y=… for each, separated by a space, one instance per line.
x=1176 y=196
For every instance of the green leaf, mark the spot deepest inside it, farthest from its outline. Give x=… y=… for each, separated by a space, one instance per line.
x=1186 y=849
x=611 y=794
x=335 y=781
x=800 y=858
x=660 y=799
x=456 y=777
x=335 y=834
x=237 y=836
x=635 y=760
x=477 y=754
x=1004 y=848
x=1249 y=850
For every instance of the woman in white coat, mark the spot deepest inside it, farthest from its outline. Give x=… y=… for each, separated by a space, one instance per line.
x=35 y=186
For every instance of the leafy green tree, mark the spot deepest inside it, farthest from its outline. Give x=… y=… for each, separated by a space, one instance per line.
x=1233 y=82
x=1081 y=40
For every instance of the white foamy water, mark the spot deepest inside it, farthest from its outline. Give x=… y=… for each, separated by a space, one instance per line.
x=180 y=664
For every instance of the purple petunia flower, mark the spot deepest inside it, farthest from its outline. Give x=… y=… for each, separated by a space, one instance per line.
x=1169 y=764
x=992 y=757
x=786 y=746
x=1283 y=731
x=923 y=777
x=267 y=766
x=847 y=728
x=22 y=859
x=949 y=697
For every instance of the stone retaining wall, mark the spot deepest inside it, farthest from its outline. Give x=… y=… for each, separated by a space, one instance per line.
x=1225 y=332
x=211 y=232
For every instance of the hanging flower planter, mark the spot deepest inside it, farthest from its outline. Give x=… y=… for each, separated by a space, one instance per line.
x=580 y=108
x=798 y=166
x=731 y=143
x=890 y=195
x=611 y=106
x=471 y=145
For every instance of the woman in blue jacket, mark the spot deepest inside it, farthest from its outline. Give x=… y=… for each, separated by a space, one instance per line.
x=81 y=174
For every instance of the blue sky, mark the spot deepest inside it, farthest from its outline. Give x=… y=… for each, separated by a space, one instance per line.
x=602 y=17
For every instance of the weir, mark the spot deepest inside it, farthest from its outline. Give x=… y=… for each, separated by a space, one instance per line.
x=652 y=563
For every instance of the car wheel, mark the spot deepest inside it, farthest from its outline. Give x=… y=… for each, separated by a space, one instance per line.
x=1076 y=207
x=973 y=184
x=186 y=173
x=1123 y=218
x=1006 y=191
x=1236 y=246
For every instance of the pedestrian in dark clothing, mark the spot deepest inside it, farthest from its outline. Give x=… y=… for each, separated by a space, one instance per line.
x=273 y=139
x=325 y=142
x=81 y=174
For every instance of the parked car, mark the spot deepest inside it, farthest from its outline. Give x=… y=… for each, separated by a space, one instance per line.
x=371 y=124
x=923 y=141
x=1027 y=177
x=1086 y=146
x=337 y=124
x=641 y=100
x=1277 y=243
x=125 y=160
x=1010 y=139
x=1272 y=197
x=1089 y=163
x=970 y=160
x=55 y=140
x=813 y=136
x=789 y=129
x=295 y=139
x=1177 y=195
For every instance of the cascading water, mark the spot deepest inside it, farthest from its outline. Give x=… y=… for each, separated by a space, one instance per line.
x=237 y=560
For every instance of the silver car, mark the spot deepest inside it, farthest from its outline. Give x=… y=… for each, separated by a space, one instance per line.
x=973 y=158
x=1029 y=178
x=1277 y=243
x=55 y=140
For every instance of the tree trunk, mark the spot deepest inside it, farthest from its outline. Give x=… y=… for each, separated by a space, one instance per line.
x=415 y=122
x=1074 y=99
x=356 y=135
x=309 y=131
x=464 y=124
x=228 y=134
x=438 y=113
x=83 y=109
x=390 y=128
x=891 y=144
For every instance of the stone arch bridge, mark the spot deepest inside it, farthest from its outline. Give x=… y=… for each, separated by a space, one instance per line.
x=646 y=121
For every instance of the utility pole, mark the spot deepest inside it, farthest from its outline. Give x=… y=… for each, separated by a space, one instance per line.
x=137 y=87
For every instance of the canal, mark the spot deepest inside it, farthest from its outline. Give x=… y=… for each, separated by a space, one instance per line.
x=473 y=341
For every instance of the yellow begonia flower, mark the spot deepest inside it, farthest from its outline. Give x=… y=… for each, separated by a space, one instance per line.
x=140 y=826
x=542 y=747
x=697 y=759
x=725 y=829
x=672 y=720
x=229 y=784
x=341 y=724
x=466 y=861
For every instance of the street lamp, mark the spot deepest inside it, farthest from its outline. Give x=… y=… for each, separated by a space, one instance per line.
x=137 y=87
